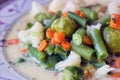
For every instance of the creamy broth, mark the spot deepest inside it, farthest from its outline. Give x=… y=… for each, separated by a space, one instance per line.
x=27 y=69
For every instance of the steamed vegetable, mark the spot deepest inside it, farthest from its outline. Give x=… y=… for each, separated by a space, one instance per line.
x=112 y=39
x=77 y=18
x=104 y=20
x=49 y=49
x=42 y=45
x=48 y=22
x=73 y=60
x=65 y=25
x=50 y=61
x=77 y=36
x=38 y=55
x=50 y=33
x=61 y=52
x=72 y=73
x=89 y=13
x=33 y=35
x=41 y=16
x=98 y=43
x=115 y=21
x=84 y=51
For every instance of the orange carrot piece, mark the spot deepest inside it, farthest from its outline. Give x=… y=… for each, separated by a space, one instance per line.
x=116 y=75
x=77 y=12
x=50 y=33
x=54 y=42
x=86 y=40
x=51 y=12
x=23 y=50
x=12 y=41
x=82 y=15
x=65 y=45
x=117 y=62
x=42 y=45
x=59 y=37
x=87 y=74
x=64 y=14
x=115 y=21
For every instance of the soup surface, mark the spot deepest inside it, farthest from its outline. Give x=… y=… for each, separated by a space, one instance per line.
x=27 y=69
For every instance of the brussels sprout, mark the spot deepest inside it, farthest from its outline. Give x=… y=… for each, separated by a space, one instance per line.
x=41 y=16
x=112 y=39
x=72 y=73
x=64 y=24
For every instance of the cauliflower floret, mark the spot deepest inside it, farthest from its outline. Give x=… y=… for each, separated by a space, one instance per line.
x=33 y=35
x=70 y=6
x=114 y=8
x=56 y=5
x=73 y=60
x=37 y=8
x=101 y=73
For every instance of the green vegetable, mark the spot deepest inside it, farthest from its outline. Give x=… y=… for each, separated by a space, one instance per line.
x=51 y=61
x=112 y=39
x=84 y=51
x=98 y=43
x=40 y=56
x=48 y=22
x=104 y=20
x=61 y=52
x=29 y=25
x=20 y=60
x=72 y=73
x=77 y=18
x=98 y=64
x=77 y=36
x=41 y=16
x=64 y=24
x=92 y=15
x=49 y=49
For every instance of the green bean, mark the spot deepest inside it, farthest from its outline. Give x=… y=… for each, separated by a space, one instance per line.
x=98 y=43
x=98 y=64
x=40 y=56
x=49 y=49
x=84 y=51
x=48 y=22
x=77 y=18
x=104 y=20
x=59 y=51
x=92 y=15
x=77 y=36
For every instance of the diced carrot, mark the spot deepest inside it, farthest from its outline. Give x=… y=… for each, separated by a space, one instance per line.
x=54 y=42
x=82 y=15
x=12 y=41
x=59 y=37
x=51 y=12
x=42 y=45
x=87 y=74
x=115 y=21
x=65 y=45
x=116 y=75
x=50 y=33
x=77 y=12
x=86 y=40
x=117 y=62
x=64 y=14
x=23 y=50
